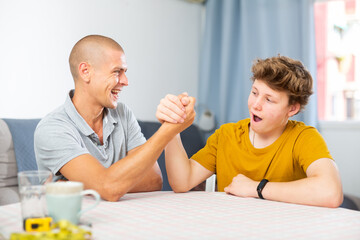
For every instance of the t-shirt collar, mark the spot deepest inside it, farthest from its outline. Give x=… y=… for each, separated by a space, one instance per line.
x=77 y=119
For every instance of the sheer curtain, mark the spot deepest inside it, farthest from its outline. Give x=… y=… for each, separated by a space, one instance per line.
x=239 y=31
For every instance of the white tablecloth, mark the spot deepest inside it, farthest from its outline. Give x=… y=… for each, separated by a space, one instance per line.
x=205 y=215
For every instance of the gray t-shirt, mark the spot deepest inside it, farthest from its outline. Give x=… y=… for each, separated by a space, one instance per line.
x=64 y=135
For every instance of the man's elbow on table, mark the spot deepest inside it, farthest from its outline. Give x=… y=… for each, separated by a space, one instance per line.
x=111 y=191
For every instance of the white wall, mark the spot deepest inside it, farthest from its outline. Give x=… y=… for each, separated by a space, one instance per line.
x=160 y=37
x=343 y=140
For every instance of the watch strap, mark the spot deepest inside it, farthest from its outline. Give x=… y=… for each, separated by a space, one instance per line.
x=261 y=186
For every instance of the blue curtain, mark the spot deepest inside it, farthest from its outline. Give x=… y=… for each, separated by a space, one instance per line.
x=239 y=31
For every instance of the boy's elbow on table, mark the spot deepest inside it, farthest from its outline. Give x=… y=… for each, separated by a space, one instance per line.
x=333 y=198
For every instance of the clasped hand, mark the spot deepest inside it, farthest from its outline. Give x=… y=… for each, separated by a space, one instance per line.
x=177 y=109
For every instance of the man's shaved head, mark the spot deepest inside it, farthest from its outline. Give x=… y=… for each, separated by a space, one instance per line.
x=90 y=49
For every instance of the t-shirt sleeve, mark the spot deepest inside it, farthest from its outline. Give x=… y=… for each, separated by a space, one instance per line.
x=207 y=155
x=135 y=137
x=309 y=147
x=55 y=144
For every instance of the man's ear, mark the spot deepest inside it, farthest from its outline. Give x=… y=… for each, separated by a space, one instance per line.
x=84 y=71
x=294 y=109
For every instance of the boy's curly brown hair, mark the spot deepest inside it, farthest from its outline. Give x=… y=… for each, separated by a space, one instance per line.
x=285 y=74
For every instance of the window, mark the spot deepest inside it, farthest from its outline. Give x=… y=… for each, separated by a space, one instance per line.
x=337 y=33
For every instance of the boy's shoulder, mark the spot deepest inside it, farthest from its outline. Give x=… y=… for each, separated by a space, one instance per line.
x=241 y=125
x=300 y=128
x=298 y=125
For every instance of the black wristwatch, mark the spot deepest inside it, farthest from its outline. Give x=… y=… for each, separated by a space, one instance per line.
x=261 y=186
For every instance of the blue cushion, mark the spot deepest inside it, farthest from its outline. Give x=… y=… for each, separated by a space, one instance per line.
x=22 y=132
x=349 y=204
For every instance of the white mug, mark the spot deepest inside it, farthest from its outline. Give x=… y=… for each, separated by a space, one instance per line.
x=64 y=200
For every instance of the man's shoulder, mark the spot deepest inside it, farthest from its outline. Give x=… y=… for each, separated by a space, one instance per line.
x=56 y=118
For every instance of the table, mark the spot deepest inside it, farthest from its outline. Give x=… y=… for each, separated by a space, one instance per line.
x=205 y=215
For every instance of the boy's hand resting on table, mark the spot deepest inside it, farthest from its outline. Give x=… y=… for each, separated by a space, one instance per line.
x=242 y=186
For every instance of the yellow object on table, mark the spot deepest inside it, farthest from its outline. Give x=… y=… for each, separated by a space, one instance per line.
x=62 y=230
x=38 y=224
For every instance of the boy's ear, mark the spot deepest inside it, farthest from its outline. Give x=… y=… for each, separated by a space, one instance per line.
x=294 y=109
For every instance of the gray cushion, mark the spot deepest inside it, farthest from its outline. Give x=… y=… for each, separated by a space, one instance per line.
x=9 y=195
x=8 y=167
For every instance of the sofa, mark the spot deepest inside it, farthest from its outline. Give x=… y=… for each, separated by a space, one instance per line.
x=22 y=157
x=17 y=152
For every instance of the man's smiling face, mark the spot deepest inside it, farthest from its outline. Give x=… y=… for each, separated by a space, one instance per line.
x=109 y=78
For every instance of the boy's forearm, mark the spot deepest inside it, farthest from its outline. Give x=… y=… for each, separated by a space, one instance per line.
x=178 y=165
x=315 y=191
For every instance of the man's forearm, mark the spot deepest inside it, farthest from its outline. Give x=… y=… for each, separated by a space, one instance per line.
x=152 y=181
x=126 y=173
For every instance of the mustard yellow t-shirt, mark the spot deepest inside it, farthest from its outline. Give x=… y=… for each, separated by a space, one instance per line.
x=229 y=152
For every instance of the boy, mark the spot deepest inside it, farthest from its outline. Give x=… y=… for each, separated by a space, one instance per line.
x=267 y=155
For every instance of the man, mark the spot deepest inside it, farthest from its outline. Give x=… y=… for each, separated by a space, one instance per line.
x=94 y=139
x=267 y=155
